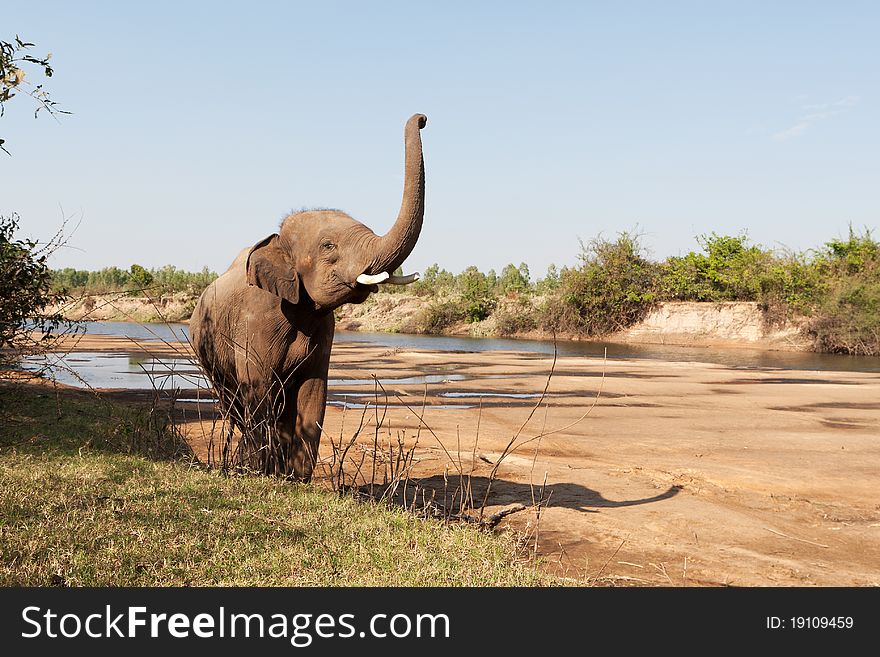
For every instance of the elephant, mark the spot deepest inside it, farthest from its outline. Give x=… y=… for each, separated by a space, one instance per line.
x=263 y=330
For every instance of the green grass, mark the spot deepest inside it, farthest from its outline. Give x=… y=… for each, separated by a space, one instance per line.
x=81 y=505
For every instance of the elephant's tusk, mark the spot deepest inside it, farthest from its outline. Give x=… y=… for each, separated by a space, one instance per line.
x=366 y=279
x=402 y=280
x=384 y=277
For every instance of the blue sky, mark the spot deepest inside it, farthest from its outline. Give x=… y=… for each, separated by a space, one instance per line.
x=197 y=126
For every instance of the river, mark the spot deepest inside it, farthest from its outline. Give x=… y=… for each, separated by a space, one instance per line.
x=732 y=357
x=114 y=370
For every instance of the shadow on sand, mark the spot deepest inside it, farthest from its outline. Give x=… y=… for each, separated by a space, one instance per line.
x=503 y=492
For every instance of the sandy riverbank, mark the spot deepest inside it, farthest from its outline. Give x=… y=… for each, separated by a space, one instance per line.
x=682 y=473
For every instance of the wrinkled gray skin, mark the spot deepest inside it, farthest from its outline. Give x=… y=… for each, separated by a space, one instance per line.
x=264 y=329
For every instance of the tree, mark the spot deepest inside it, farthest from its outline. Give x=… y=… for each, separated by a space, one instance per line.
x=476 y=294
x=434 y=281
x=514 y=280
x=13 y=56
x=25 y=278
x=550 y=282
x=139 y=279
x=613 y=288
x=25 y=291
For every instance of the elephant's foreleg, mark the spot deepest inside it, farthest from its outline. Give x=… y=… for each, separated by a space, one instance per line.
x=300 y=430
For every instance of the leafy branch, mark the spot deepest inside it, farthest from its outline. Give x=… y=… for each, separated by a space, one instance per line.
x=13 y=58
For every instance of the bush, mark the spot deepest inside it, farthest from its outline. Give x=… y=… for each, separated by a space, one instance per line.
x=614 y=287
x=25 y=291
x=184 y=312
x=440 y=314
x=109 y=279
x=857 y=255
x=848 y=320
x=727 y=270
x=846 y=313
x=477 y=298
x=512 y=321
x=793 y=282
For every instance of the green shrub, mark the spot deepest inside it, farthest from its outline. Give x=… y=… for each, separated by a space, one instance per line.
x=848 y=319
x=439 y=315
x=846 y=313
x=184 y=313
x=857 y=255
x=25 y=292
x=613 y=288
x=728 y=269
x=510 y=322
x=478 y=300
x=791 y=282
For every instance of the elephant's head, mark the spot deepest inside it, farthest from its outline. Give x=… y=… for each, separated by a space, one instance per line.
x=333 y=259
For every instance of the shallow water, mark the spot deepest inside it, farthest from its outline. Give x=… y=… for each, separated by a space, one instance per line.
x=407 y=380
x=124 y=371
x=357 y=405
x=506 y=395
x=113 y=370
x=171 y=332
x=731 y=357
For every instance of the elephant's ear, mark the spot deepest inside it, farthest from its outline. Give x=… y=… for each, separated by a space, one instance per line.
x=271 y=269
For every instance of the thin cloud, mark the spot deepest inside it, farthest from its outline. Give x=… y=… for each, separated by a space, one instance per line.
x=813 y=113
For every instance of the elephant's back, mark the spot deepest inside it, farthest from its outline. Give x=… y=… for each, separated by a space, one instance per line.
x=214 y=314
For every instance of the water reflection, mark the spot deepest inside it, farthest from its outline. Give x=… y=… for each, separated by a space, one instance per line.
x=407 y=380
x=357 y=405
x=507 y=395
x=100 y=370
x=119 y=371
x=115 y=370
x=170 y=332
x=731 y=357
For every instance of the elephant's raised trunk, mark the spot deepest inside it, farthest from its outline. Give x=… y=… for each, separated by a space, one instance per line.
x=394 y=247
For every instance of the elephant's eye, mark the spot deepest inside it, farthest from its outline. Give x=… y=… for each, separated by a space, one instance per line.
x=327 y=245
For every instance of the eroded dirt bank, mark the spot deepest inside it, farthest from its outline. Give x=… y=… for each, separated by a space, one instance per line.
x=728 y=324
x=697 y=324
x=682 y=473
